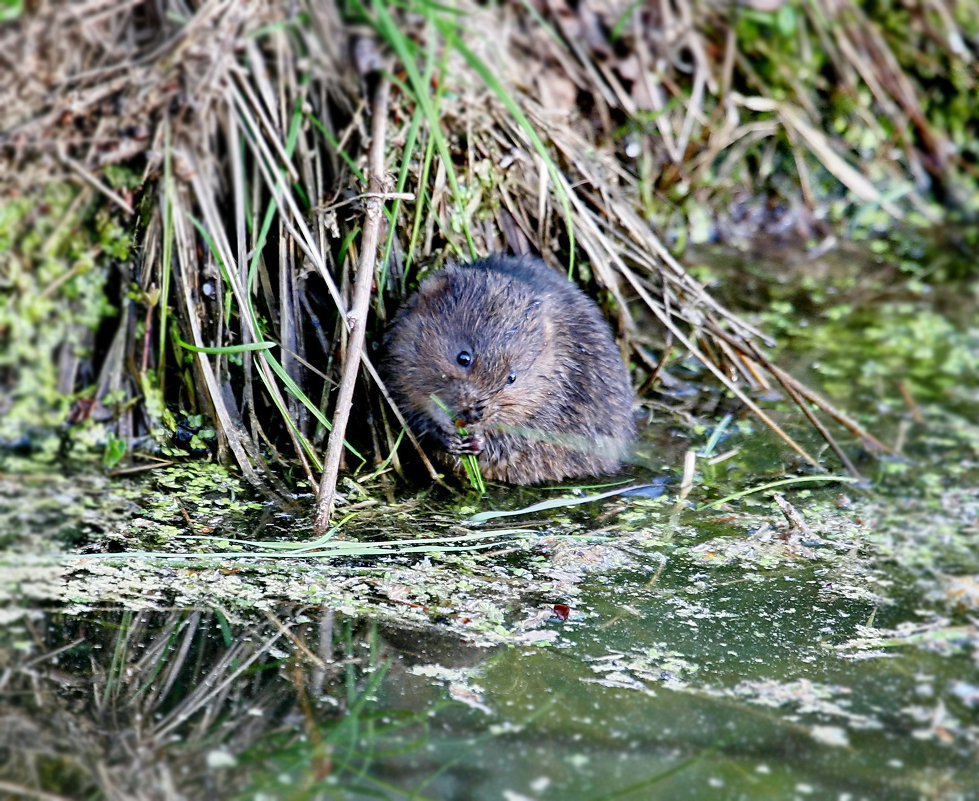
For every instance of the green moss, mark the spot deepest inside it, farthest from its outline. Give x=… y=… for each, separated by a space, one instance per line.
x=56 y=252
x=877 y=349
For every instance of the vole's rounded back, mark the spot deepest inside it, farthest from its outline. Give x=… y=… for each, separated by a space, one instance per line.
x=523 y=360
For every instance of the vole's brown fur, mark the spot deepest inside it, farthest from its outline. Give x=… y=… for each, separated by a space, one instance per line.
x=526 y=364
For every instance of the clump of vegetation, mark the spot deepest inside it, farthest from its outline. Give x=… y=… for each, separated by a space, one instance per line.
x=58 y=249
x=290 y=193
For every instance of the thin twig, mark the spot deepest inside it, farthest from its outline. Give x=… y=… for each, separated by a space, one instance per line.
x=87 y=176
x=359 y=307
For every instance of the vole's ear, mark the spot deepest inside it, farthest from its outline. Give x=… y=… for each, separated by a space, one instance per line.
x=537 y=319
x=433 y=287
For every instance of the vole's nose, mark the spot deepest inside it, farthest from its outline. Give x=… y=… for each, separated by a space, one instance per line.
x=470 y=415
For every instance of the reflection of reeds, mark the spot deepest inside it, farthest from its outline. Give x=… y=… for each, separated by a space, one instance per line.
x=124 y=705
x=580 y=134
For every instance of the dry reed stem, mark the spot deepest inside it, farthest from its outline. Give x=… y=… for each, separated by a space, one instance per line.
x=356 y=319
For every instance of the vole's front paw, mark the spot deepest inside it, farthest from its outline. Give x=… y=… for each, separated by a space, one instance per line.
x=459 y=445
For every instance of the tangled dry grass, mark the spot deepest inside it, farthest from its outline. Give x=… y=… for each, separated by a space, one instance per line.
x=579 y=131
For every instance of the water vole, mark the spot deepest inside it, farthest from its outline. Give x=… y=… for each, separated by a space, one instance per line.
x=526 y=364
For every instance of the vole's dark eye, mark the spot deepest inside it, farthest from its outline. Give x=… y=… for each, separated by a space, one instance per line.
x=512 y=377
x=465 y=358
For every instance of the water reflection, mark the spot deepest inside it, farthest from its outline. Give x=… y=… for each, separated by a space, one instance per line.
x=642 y=696
x=124 y=704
